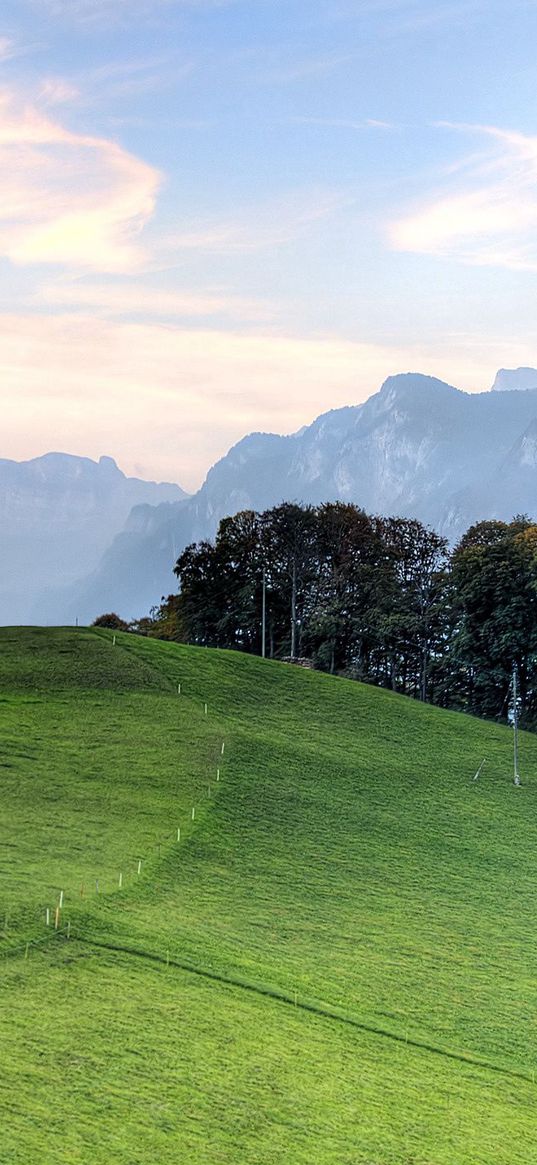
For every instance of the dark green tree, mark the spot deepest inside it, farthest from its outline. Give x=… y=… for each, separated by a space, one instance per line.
x=288 y=543
x=414 y=623
x=111 y=620
x=494 y=575
x=343 y=620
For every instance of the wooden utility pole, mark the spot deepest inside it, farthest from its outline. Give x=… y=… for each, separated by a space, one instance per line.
x=293 y=610
x=264 y=615
x=516 y=778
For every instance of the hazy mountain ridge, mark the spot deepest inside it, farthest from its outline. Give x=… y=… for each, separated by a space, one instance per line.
x=58 y=513
x=418 y=447
x=515 y=380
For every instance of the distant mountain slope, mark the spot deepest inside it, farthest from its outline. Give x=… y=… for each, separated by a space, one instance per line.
x=419 y=448
x=515 y=379
x=58 y=514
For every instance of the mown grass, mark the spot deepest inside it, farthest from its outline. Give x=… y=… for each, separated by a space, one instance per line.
x=360 y=910
x=100 y=761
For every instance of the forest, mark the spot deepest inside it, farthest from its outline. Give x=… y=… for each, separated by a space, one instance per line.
x=382 y=600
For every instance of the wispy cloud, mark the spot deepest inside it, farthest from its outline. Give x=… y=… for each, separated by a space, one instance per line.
x=58 y=91
x=415 y=14
x=8 y=49
x=421 y=15
x=133 y=76
x=119 y=300
x=487 y=212
x=275 y=223
x=69 y=198
x=344 y=123
x=116 y=84
x=282 y=73
x=117 y=11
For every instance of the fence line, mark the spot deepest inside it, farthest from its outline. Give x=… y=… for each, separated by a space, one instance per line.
x=26 y=946
x=57 y=930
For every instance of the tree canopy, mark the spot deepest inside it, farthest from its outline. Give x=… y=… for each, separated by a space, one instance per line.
x=383 y=600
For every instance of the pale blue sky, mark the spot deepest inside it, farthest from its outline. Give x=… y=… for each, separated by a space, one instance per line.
x=218 y=217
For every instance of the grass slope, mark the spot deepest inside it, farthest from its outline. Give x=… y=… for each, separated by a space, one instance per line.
x=96 y=753
x=338 y=961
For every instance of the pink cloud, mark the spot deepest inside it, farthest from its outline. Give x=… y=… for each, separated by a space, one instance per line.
x=123 y=299
x=487 y=213
x=69 y=198
x=180 y=397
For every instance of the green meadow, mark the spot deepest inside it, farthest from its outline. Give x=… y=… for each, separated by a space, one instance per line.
x=316 y=946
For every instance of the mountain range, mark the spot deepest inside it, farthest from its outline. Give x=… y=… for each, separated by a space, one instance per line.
x=419 y=448
x=58 y=513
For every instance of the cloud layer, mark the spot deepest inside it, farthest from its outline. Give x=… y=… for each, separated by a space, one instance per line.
x=167 y=401
x=152 y=304
x=487 y=216
x=69 y=198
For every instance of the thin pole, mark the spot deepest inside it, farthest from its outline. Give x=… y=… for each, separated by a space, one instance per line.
x=479 y=769
x=516 y=778
x=293 y=611
x=264 y=615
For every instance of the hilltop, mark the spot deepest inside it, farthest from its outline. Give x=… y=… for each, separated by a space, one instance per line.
x=336 y=962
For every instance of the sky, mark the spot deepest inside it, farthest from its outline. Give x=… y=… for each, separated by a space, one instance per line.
x=221 y=216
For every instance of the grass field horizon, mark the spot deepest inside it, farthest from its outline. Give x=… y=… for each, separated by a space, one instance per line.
x=336 y=961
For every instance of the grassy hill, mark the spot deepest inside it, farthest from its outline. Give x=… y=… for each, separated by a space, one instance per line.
x=337 y=961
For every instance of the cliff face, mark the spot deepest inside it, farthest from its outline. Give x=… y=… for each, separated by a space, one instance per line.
x=515 y=380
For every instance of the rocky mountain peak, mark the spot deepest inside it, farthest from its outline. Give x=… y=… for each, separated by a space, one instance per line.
x=109 y=464
x=414 y=387
x=515 y=380
x=409 y=381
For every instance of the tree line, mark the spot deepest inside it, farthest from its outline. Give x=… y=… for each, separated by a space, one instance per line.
x=383 y=600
